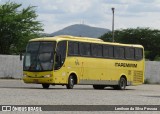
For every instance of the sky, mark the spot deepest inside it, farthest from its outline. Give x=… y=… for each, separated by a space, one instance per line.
x=57 y=14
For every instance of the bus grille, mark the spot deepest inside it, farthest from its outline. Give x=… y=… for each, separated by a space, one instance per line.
x=138 y=77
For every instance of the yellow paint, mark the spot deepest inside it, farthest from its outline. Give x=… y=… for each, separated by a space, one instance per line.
x=87 y=68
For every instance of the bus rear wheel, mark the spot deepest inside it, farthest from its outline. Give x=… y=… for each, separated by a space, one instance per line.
x=45 y=86
x=121 y=85
x=98 y=86
x=71 y=82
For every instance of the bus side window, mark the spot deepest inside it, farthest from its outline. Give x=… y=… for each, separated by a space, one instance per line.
x=73 y=48
x=85 y=49
x=96 y=50
x=108 y=51
x=119 y=52
x=138 y=53
x=129 y=53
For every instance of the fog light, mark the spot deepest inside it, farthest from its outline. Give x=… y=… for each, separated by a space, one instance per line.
x=24 y=75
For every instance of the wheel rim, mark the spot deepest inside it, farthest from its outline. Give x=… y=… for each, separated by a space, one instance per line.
x=122 y=84
x=72 y=81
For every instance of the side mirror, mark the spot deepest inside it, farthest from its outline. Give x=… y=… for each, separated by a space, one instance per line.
x=21 y=54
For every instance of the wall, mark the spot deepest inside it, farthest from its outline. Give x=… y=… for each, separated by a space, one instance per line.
x=11 y=66
x=152 y=71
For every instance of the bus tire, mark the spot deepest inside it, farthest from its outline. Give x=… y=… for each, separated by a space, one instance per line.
x=98 y=86
x=121 y=85
x=71 y=82
x=45 y=86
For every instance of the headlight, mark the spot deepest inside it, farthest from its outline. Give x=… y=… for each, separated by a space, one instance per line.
x=48 y=75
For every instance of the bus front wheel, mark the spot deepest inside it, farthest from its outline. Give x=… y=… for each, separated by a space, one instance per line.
x=45 y=86
x=71 y=82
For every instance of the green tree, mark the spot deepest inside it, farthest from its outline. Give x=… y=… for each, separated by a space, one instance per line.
x=149 y=38
x=17 y=26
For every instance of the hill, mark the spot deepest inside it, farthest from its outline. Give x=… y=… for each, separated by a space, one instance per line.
x=81 y=30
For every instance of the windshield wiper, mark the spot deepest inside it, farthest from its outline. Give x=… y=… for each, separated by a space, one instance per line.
x=39 y=62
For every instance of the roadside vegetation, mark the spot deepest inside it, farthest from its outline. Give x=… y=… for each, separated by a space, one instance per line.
x=17 y=26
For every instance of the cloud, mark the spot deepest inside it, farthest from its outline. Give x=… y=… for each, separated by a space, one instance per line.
x=147 y=1
x=57 y=14
x=138 y=8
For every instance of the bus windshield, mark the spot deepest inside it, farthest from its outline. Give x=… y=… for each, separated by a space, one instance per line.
x=39 y=56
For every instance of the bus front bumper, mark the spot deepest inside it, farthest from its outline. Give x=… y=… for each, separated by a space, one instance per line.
x=38 y=80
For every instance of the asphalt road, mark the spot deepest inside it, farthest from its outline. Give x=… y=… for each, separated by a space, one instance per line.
x=15 y=92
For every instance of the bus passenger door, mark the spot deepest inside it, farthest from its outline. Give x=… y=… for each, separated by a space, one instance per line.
x=60 y=76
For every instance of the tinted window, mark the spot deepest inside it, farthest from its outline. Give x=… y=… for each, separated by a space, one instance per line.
x=119 y=52
x=85 y=49
x=39 y=56
x=96 y=50
x=33 y=46
x=108 y=51
x=138 y=53
x=73 y=48
x=61 y=50
x=46 y=47
x=129 y=53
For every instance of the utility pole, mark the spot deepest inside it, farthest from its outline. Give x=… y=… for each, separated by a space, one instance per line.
x=113 y=25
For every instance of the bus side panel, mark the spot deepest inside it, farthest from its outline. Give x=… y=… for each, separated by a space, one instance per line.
x=108 y=71
x=95 y=71
x=133 y=70
x=138 y=74
x=60 y=75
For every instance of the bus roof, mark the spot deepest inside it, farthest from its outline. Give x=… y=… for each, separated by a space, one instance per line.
x=82 y=39
x=66 y=37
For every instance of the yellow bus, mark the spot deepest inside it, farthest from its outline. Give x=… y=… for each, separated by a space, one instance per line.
x=70 y=60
